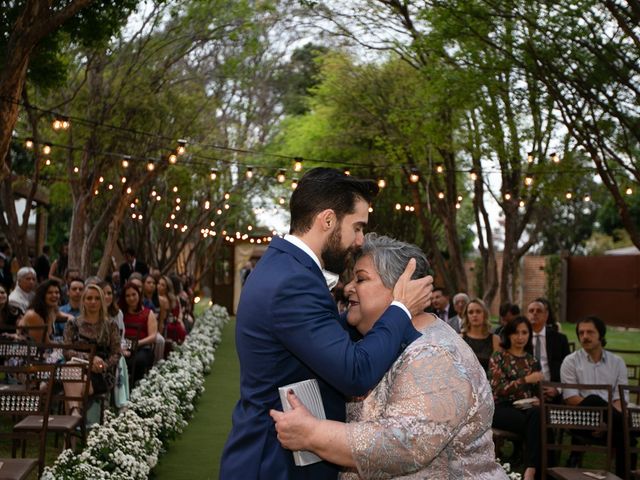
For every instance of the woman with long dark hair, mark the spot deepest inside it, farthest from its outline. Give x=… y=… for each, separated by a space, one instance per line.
x=514 y=374
x=43 y=311
x=140 y=322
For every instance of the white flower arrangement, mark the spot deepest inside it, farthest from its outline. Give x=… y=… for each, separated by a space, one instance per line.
x=127 y=445
x=507 y=469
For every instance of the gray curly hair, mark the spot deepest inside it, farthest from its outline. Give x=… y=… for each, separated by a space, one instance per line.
x=391 y=256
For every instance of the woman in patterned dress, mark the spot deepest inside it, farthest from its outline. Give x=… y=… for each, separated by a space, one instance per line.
x=514 y=375
x=429 y=417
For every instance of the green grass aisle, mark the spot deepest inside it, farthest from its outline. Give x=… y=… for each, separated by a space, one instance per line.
x=195 y=455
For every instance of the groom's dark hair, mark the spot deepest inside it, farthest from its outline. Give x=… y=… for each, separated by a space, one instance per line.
x=323 y=188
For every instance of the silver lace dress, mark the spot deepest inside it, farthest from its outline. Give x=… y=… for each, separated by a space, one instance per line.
x=428 y=418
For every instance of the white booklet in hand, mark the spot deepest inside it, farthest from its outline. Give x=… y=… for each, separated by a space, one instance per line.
x=308 y=392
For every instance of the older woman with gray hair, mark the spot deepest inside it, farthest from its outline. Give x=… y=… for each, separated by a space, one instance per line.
x=429 y=417
x=24 y=292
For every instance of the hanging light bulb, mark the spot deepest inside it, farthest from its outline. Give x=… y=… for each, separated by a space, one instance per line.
x=249 y=173
x=110 y=186
x=227 y=195
x=281 y=176
x=555 y=158
x=297 y=165
x=281 y=200
x=213 y=174
x=122 y=180
x=530 y=157
x=629 y=191
x=473 y=175
x=175 y=189
x=568 y=195
x=459 y=198
x=528 y=180
x=414 y=177
x=28 y=143
x=182 y=147
x=60 y=123
x=521 y=204
x=398 y=206
x=441 y=195
x=346 y=171
x=173 y=158
x=587 y=198
x=125 y=161
x=507 y=196
x=439 y=168
x=370 y=209
x=294 y=183
x=46 y=148
x=151 y=166
x=76 y=169
x=382 y=183
x=47 y=162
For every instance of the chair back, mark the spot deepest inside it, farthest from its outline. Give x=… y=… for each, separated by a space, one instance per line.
x=32 y=398
x=631 y=425
x=592 y=421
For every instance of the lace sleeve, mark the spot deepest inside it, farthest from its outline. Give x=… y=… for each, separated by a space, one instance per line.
x=428 y=401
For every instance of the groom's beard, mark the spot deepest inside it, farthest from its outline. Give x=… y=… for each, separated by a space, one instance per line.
x=334 y=256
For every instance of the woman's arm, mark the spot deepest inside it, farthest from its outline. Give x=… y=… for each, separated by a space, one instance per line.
x=299 y=430
x=152 y=330
x=427 y=404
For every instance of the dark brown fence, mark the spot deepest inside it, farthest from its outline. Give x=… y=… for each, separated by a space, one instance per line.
x=607 y=286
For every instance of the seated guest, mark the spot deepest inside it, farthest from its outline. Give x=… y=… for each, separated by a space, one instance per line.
x=508 y=311
x=136 y=314
x=476 y=331
x=93 y=326
x=460 y=301
x=4 y=306
x=428 y=418
x=170 y=318
x=24 y=292
x=43 y=311
x=550 y=347
x=594 y=365
x=75 y=287
x=514 y=375
x=149 y=294
x=440 y=305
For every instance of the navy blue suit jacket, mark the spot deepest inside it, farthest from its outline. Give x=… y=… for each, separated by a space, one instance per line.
x=288 y=329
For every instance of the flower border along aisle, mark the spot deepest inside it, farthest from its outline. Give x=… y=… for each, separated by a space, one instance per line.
x=126 y=446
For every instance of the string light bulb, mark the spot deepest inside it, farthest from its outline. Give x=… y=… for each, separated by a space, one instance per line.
x=151 y=166
x=439 y=168
x=249 y=173
x=47 y=162
x=213 y=174
x=530 y=157
x=473 y=175
x=125 y=161
x=346 y=171
x=175 y=189
x=382 y=183
x=123 y=180
x=182 y=147
x=521 y=204
x=297 y=165
x=46 y=148
x=294 y=183
x=629 y=191
x=441 y=195
x=227 y=195
x=173 y=158
x=60 y=123
x=528 y=180
x=398 y=206
x=587 y=198
x=281 y=176
x=568 y=195
x=507 y=196
x=414 y=177
x=28 y=143
x=555 y=158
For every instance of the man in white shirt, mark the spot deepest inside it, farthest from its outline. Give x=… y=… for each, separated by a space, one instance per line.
x=24 y=292
x=593 y=365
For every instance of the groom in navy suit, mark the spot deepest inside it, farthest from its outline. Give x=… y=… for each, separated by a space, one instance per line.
x=288 y=327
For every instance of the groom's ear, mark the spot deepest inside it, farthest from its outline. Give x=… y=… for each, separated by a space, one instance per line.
x=326 y=219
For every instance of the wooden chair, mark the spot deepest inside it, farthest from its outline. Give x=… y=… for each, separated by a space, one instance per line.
x=631 y=426
x=132 y=345
x=31 y=400
x=66 y=424
x=593 y=421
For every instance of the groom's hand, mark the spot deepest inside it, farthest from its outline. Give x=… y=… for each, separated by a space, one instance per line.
x=413 y=294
